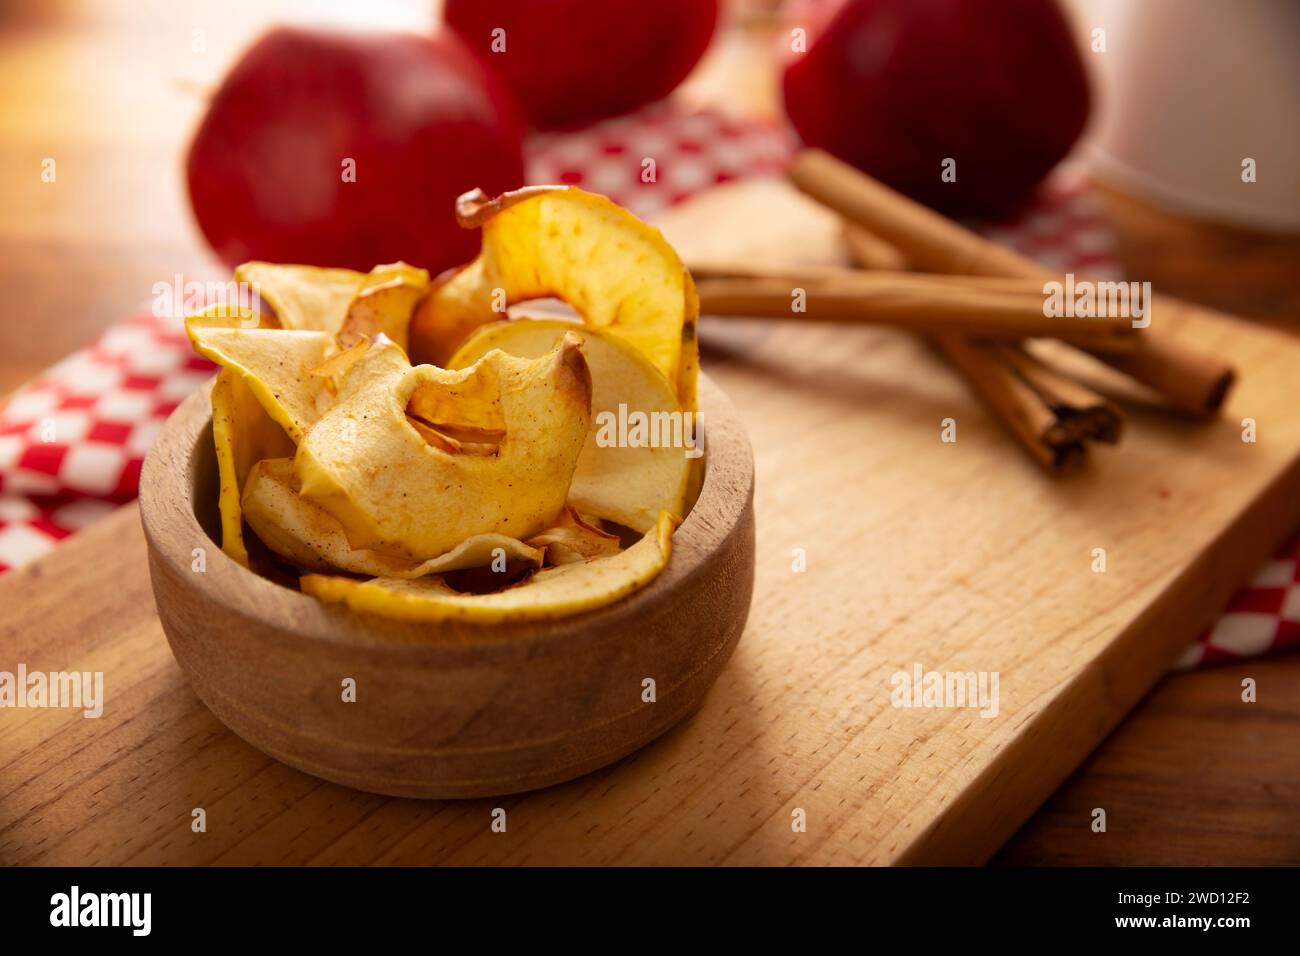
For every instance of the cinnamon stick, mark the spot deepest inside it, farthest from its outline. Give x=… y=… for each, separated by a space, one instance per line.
x=1081 y=411
x=1189 y=380
x=1021 y=409
x=916 y=302
x=710 y=268
x=1049 y=414
x=798 y=273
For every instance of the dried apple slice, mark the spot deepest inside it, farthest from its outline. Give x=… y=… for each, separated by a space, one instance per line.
x=623 y=483
x=275 y=363
x=305 y=298
x=341 y=302
x=332 y=370
x=618 y=273
x=219 y=316
x=243 y=434
x=549 y=594
x=384 y=304
x=393 y=491
x=574 y=539
x=310 y=537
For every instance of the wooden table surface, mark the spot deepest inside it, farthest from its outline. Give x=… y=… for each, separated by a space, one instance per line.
x=110 y=95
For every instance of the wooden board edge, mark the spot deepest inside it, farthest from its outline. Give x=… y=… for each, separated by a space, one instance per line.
x=1054 y=742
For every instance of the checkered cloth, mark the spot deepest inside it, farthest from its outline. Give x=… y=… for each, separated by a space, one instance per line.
x=72 y=442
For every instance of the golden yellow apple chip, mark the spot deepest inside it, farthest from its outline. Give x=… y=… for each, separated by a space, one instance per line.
x=550 y=593
x=243 y=434
x=393 y=491
x=636 y=459
x=467 y=407
x=310 y=537
x=574 y=539
x=219 y=316
x=384 y=304
x=332 y=370
x=305 y=298
x=275 y=363
x=618 y=273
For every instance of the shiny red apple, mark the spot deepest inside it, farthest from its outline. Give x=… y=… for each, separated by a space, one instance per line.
x=571 y=62
x=347 y=149
x=899 y=87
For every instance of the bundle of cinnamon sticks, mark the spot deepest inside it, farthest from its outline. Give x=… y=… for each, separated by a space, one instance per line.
x=977 y=302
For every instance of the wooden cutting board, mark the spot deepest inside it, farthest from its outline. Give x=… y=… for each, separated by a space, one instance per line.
x=957 y=557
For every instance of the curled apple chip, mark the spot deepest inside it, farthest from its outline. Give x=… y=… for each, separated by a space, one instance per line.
x=396 y=492
x=618 y=273
x=636 y=460
x=548 y=594
x=574 y=539
x=383 y=304
x=486 y=490
x=276 y=364
x=243 y=435
x=305 y=298
x=310 y=537
x=340 y=302
x=333 y=368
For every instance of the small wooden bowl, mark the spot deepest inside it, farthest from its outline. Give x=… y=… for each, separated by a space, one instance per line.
x=446 y=710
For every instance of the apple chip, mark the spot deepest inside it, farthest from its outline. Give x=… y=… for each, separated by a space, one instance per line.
x=573 y=539
x=470 y=407
x=243 y=434
x=487 y=490
x=275 y=363
x=305 y=298
x=618 y=273
x=394 y=491
x=220 y=316
x=310 y=537
x=637 y=457
x=332 y=370
x=383 y=304
x=548 y=594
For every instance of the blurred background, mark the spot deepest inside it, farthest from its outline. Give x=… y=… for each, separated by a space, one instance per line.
x=114 y=93
x=1154 y=107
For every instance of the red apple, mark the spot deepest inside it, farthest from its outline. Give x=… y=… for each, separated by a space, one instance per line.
x=575 y=61
x=416 y=117
x=896 y=87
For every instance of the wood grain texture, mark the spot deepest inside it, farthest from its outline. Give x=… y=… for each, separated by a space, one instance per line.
x=1195 y=776
x=81 y=255
x=453 y=709
x=956 y=556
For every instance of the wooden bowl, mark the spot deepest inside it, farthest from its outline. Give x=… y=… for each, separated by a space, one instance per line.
x=446 y=710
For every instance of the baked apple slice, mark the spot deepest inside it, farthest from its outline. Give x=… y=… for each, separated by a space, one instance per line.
x=310 y=537
x=616 y=272
x=341 y=302
x=394 y=491
x=629 y=482
x=549 y=594
x=276 y=364
x=243 y=434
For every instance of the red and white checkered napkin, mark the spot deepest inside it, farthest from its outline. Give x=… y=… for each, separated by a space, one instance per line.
x=72 y=442
x=659 y=156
